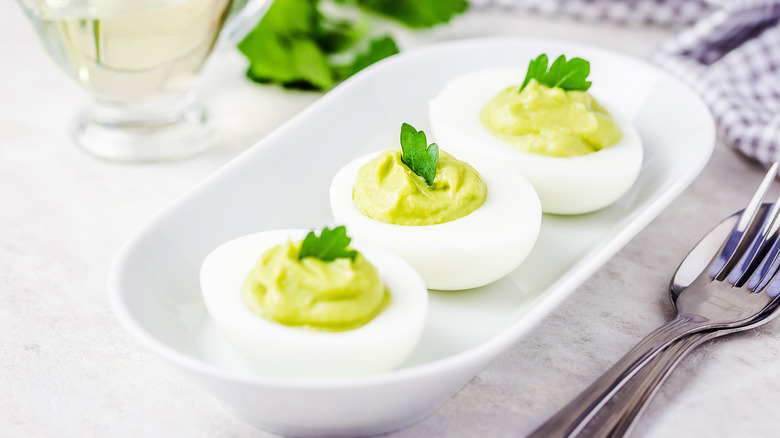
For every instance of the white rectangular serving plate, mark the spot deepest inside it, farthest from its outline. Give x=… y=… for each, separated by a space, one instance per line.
x=282 y=182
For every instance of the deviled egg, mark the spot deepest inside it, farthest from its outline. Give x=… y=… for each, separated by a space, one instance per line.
x=294 y=314
x=580 y=155
x=466 y=224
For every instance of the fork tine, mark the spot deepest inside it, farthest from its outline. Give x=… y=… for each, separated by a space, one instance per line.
x=769 y=270
x=769 y=283
x=764 y=263
x=762 y=253
x=746 y=221
x=758 y=197
x=767 y=278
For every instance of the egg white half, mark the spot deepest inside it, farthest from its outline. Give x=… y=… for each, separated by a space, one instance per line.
x=380 y=345
x=570 y=185
x=469 y=252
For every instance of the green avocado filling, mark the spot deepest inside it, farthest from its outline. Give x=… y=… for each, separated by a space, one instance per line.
x=388 y=191
x=336 y=295
x=550 y=121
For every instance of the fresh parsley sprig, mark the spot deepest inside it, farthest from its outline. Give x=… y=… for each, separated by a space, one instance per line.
x=568 y=75
x=328 y=246
x=417 y=154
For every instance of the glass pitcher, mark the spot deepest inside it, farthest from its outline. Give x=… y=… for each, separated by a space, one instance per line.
x=138 y=60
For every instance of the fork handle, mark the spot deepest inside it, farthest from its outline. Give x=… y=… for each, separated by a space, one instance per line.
x=571 y=420
x=617 y=418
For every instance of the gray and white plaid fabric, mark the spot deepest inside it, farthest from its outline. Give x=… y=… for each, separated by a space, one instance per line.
x=728 y=51
x=630 y=12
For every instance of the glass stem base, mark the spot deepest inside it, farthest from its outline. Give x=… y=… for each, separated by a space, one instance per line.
x=148 y=131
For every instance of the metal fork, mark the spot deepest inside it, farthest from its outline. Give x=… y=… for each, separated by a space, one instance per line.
x=631 y=404
x=617 y=418
x=726 y=295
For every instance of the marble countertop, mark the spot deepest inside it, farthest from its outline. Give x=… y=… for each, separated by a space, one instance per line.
x=68 y=369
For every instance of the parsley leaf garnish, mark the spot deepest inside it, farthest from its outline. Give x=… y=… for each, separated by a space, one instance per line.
x=328 y=246
x=417 y=154
x=314 y=44
x=569 y=75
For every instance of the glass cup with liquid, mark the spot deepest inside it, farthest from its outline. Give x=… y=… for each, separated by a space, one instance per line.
x=138 y=60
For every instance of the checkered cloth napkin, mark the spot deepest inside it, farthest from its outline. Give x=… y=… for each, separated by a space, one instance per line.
x=727 y=50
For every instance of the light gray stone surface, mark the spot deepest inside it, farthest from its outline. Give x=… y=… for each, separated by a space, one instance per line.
x=67 y=369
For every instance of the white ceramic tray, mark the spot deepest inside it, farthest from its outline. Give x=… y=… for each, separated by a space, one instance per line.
x=282 y=182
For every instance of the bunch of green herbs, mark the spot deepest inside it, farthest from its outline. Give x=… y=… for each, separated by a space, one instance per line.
x=315 y=44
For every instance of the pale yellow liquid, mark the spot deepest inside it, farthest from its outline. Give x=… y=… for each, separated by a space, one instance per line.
x=155 y=49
